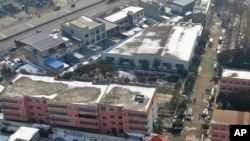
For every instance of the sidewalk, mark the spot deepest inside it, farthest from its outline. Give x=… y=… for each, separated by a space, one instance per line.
x=47 y=17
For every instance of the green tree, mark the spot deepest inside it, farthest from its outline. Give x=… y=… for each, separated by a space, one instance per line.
x=178 y=84
x=225 y=57
x=176 y=98
x=158 y=126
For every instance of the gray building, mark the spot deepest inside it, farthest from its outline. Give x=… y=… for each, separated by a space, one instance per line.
x=43 y=46
x=200 y=11
x=182 y=6
x=153 y=9
x=90 y=31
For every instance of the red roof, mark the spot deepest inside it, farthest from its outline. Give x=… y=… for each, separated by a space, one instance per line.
x=159 y=138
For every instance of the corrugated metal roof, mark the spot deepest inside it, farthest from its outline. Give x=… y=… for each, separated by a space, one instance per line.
x=43 y=41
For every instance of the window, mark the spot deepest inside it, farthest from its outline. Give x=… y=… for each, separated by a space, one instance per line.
x=37 y=101
x=112 y=116
x=32 y=113
x=223 y=88
x=88 y=123
x=138 y=122
x=103 y=108
x=120 y=117
x=236 y=83
x=119 y=109
x=31 y=107
x=137 y=115
x=222 y=136
x=39 y=108
x=214 y=135
x=112 y=122
x=44 y=101
x=138 y=128
x=98 y=38
x=29 y=100
x=104 y=124
x=104 y=117
x=97 y=31
x=229 y=89
x=243 y=83
x=111 y=109
x=72 y=32
x=230 y=82
x=86 y=35
x=120 y=123
x=40 y=114
x=224 y=81
x=215 y=128
x=59 y=120
x=11 y=108
x=86 y=110
x=223 y=129
x=58 y=113
x=57 y=106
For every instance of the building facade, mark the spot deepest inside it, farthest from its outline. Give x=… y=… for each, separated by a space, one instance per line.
x=233 y=80
x=108 y=108
x=221 y=121
x=200 y=11
x=90 y=31
x=167 y=47
x=43 y=46
x=127 y=17
x=152 y=9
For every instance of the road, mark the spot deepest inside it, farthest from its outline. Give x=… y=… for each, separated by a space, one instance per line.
x=48 y=27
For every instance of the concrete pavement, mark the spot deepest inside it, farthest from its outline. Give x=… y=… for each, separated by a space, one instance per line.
x=45 y=18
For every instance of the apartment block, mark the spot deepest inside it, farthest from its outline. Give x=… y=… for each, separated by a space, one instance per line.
x=88 y=30
x=234 y=80
x=222 y=119
x=108 y=108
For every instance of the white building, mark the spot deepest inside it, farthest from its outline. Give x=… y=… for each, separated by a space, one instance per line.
x=200 y=11
x=166 y=47
x=127 y=17
x=90 y=31
x=25 y=134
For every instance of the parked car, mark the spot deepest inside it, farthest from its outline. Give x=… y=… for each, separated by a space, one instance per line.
x=189 y=114
x=205 y=112
x=56 y=8
x=54 y=31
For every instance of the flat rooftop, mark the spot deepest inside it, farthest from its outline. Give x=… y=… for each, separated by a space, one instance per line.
x=109 y=26
x=121 y=95
x=182 y=2
x=83 y=22
x=57 y=91
x=75 y=92
x=228 y=117
x=236 y=74
x=163 y=40
x=201 y=6
x=24 y=133
x=43 y=41
x=122 y=13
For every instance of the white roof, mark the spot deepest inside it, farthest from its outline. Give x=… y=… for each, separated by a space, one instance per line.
x=236 y=74
x=24 y=133
x=122 y=14
x=167 y=41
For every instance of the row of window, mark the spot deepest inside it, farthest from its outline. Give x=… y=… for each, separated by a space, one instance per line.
x=230 y=89
x=112 y=116
x=235 y=83
x=12 y=114
x=58 y=113
x=221 y=136
x=10 y=108
x=59 y=119
x=137 y=115
x=221 y=129
x=37 y=101
x=87 y=110
x=138 y=122
x=111 y=109
x=9 y=100
x=89 y=123
x=57 y=106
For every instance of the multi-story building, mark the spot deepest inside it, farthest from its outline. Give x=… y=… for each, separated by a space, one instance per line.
x=152 y=9
x=168 y=47
x=4 y=3
x=44 y=50
x=182 y=6
x=200 y=11
x=127 y=17
x=222 y=119
x=234 y=80
x=109 y=108
x=90 y=31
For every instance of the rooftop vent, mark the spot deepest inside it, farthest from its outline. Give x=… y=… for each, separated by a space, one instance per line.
x=139 y=98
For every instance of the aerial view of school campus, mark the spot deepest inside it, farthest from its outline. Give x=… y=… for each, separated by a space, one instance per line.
x=124 y=70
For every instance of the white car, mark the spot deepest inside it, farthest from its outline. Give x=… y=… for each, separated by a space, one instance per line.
x=54 y=31
x=205 y=112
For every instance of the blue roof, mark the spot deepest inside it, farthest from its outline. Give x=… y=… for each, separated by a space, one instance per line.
x=182 y=2
x=4 y=138
x=53 y=63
